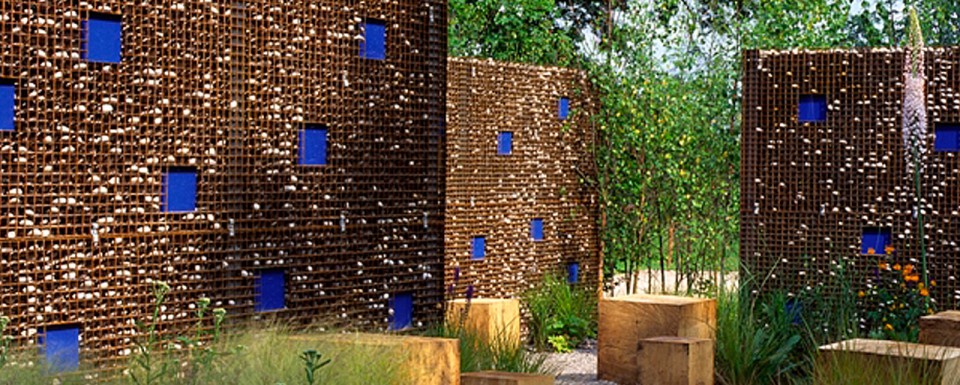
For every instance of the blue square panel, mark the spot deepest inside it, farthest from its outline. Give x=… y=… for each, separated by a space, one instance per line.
x=269 y=291
x=313 y=146
x=536 y=229
x=61 y=347
x=479 y=247
x=573 y=272
x=564 y=108
x=180 y=190
x=102 y=38
x=813 y=108
x=8 y=105
x=374 y=43
x=504 y=143
x=947 y=138
x=874 y=238
x=401 y=311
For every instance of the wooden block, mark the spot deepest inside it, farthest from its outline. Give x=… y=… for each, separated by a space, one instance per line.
x=941 y=329
x=876 y=362
x=626 y=320
x=496 y=321
x=426 y=360
x=504 y=378
x=675 y=361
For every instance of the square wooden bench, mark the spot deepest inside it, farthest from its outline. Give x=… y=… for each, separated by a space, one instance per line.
x=676 y=361
x=626 y=320
x=504 y=378
x=426 y=360
x=941 y=329
x=879 y=362
x=494 y=320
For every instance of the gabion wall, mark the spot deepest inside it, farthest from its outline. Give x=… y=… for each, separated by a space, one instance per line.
x=820 y=194
x=220 y=91
x=496 y=190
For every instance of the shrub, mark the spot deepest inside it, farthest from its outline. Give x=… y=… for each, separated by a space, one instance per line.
x=479 y=354
x=561 y=315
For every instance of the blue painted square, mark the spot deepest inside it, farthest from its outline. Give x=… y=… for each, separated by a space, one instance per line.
x=61 y=347
x=564 y=108
x=102 y=38
x=313 y=146
x=180 y=190
x=8 y=106
x=573 y=272
x=536 y=229
x=874 y=238
x=504 y=143
x=794 y=311
x=374 y=43
x=479 y=247
x=269 y=290
x=813 y=108
x=947 y=138
x=401 y=309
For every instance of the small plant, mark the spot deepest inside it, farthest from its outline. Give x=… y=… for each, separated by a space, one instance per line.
x=312 y=361
x=148 y=369
x=560 y=344
x=558 y=309
x=894 y=300
x=5 y=341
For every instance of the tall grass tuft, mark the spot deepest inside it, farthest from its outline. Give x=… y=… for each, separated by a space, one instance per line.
x=752 y=351
x=478 y=354
x=566 y=312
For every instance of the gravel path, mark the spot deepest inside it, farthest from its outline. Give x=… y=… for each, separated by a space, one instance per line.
x=578 y=367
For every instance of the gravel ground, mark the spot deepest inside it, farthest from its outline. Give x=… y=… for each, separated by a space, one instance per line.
x=578 y=367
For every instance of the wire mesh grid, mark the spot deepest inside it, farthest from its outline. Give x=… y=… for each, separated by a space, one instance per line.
x=497 y=188
x=813 y=192
x=220 y=89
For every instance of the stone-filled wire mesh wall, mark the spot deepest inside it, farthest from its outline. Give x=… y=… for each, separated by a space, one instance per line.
x=220 y=88
x=496 y=196
x=813 y=192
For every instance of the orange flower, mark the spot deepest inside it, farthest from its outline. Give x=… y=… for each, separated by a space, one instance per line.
x=912 y=278
x=933 y=283
x=871 y=251
x=861 y=294
x=883 y=265
x=888 y=327
x=889 y=249
x=924 y=292
x=896 y=267
x=908 y=269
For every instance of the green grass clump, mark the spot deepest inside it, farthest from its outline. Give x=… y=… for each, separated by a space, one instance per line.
x=561 y=315
x=477 y=354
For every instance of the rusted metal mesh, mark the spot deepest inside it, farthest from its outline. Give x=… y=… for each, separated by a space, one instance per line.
x=810 y=190
x=222 y=87
x=497 y=196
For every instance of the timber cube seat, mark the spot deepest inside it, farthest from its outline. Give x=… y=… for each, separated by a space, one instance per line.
x=675 y=361
x=504 y=378
x=941 y=329
x=880 y=362
x=426 y=360
x=495 y=321
x=626 y=320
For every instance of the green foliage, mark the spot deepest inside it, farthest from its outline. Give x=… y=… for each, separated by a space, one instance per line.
x=520 y=31
x=756 y=342
x=558 y=309
x=5 y=341
x=312 y=362
x=560 y=344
